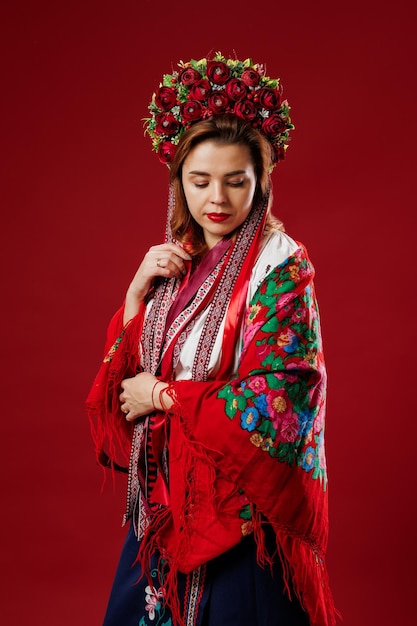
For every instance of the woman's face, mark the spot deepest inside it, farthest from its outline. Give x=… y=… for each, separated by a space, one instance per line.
x=219 y=185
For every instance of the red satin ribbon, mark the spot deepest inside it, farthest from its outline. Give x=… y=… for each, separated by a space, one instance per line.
x=236 y=308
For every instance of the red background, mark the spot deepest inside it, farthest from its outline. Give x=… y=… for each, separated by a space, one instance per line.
x=83 y=197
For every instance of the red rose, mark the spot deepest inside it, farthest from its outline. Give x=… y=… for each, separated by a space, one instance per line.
x=278 y=153
x=200 y=90
x=236 y=89
x=273 y=125
x=268 y=98
x=251 y=78
x=165 y=98
x=191 y=111
x=166 y=152
x=189 y=76
x=218 y=72
x=218 y=102
x=166 y=124
x=246 y=110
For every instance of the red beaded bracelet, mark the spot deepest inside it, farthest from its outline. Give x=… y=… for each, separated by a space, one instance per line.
x=161 y=400
x=153 y=389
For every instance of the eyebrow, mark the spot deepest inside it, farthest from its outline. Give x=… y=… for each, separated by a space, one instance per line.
x=197 y=173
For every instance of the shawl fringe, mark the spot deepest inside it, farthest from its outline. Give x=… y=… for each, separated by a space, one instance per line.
x=111 y=433
x=171 y=535
x=303 y=563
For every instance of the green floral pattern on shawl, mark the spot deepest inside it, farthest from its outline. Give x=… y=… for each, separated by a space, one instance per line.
x=281 y=403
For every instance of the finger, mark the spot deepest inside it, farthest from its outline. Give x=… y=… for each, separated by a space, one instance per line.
x=171 y=266
x=167 y=268
x=172 y=248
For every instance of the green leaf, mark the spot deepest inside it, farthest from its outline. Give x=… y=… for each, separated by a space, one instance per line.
x=271 y=326
x=286 y=286
x=225 y=393
x=300 y=328
x=268 y=360
x=271 y=288
x=273 y=83
x=287 y=452
x=293 y=390
x=277 y=363
x=167 y=82
x=266 y=429
x=235 y=404
x=274 y=382
x=245 y=512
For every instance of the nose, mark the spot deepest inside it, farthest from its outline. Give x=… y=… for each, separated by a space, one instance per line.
x=218 y=195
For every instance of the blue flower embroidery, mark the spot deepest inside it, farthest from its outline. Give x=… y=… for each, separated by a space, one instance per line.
x=305 y=418
x=308 y=461
x=249 y=418
x=261 y=404
x=293 y=345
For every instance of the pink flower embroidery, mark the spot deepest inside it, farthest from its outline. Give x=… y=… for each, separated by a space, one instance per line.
x=289 y=428
x=299 y=316
x=250 y=332
x=257 y=384
x=278 y=405
x=153 y=600
x=284 y=299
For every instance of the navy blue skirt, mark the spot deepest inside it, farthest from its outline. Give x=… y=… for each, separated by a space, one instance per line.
x=231 y=590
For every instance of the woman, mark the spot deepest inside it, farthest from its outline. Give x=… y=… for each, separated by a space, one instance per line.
x=213 y=381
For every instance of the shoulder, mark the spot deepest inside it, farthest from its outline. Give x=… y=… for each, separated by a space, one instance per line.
x=277 y=250
x=277 y=246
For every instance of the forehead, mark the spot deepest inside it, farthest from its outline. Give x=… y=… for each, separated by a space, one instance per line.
x=218 y=158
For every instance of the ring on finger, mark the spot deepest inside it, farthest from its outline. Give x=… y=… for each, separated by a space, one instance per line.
x=158 y=262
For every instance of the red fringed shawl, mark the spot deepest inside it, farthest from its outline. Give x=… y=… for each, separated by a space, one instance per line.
x=243 y=451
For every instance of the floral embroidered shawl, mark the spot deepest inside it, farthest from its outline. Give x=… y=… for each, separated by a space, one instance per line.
x=250 y=450
x=243 y=451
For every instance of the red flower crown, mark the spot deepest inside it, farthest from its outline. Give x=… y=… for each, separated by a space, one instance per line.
x=214 y=86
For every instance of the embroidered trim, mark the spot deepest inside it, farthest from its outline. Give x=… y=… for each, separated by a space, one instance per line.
x=182 y=339
x=184 y=316
x=136 y=504
x=154 y=326
x=194 y=591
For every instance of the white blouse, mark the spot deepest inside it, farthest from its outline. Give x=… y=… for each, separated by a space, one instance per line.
x=276 y=247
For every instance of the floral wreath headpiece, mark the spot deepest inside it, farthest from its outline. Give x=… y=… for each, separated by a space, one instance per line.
x=201 y=89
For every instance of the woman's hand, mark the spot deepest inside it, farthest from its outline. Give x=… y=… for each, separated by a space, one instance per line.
x=166 y=260
x=136 y=398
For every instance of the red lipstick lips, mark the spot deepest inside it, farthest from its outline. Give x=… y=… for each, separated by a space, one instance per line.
x=217 y=217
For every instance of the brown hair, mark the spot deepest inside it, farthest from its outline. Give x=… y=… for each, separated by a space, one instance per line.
x=222 y=129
